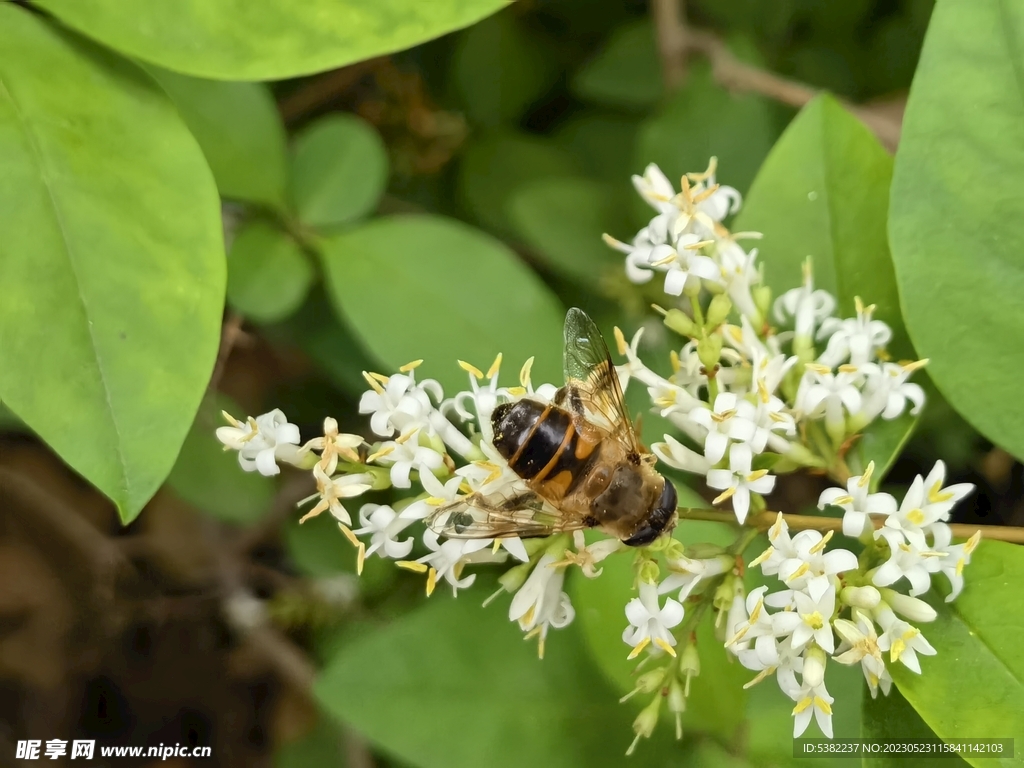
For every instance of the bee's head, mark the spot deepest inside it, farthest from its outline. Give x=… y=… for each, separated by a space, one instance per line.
x=661 y=518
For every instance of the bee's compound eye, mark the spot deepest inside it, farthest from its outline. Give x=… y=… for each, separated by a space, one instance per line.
x=669 y=499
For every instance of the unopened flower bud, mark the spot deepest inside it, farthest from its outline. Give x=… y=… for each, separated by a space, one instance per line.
x=709 y=350
x=515 y=577
x=677 y=704
x=681 y=323
x=718 y=310
x=725 y=593
x=689 y=665
x=704 y=551
x=762 y=295
x=674 y=549
x=649 y=572
x=860 y=597
x=804 y=457
x=909 y=607
x=380 y=477
x=814 y=666
x=645 y=722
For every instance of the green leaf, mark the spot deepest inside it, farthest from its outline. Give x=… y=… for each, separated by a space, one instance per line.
x=974 y=686
x=339 y=171
x=322 y=747
x=274 y=40
x=210 y=478
x=626 y=72
x=882 y=442
x=500 y=68
x=239 y=130
x=563 y=219
x=113 y=259
x=427 y=287
x=823 y=192
x=717 y=699
x=462 y=684
x=494 y=166
x=704 y=120
x=957 y=243
x=268 y=274
x=892 y=718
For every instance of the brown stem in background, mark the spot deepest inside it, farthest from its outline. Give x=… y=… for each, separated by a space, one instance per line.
x=230 y=334
x=765 y=520
x=322 y=90
x=670 y=29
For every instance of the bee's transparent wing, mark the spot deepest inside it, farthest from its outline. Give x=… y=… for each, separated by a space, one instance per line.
x=522 y=513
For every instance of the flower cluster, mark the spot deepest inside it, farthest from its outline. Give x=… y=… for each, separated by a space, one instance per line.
x=750 y=402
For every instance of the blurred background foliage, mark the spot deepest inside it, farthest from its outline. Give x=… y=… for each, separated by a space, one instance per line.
x=444 y=202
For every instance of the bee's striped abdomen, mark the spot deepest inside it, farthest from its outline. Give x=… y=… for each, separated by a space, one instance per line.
x=542 y=445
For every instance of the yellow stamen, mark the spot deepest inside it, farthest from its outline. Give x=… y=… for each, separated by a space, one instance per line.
x=405 y=437
x=723 y=416
x=767 y=671
x=673 y=357
x=821 y=544
x=822 y=705
x=434 y=501
x=914 y=365
x=524 y=374
x=776 y=528
x=804 y=568
x=935 y=494
x=972 y=543
x=667 y=260
x=916 y=516
x=411 y=366
x=728 y=493
x=763 y=393
x=866 y=477
x=431 y=581
x=374 y=384
x=471 y=369
x=517 y=391
x=380 y=454
x=412 y=565
x=818 y=368
x=620 y=340
x=858 y=305
x=380 y=377
x=762 y=557
x=230 y=419
x=840 y=501
x=754 y=614
x=814 y=620
x=697 y=246
x=848 y=368
x=360 y=558
x=898 y=647
x=960 y=567
x=756 y=475
x=665 y=647
x=347 y=532
x=495 y=546
x=493 y=370
x=639 y=648
x=802 y=705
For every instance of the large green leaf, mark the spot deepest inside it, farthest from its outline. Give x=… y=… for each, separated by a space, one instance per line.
x=703 y=120
x=500 y=67
x=955 y=218
x=239 y=40
x=494 y=166
x=427 y=287
x=210 y=479
x=112 y=259
x=268 y=274
x=453 y=684
x=974 y=687
x=717 y=699
x=626 y=72
x=239 y=129
x=339 y=171
x=563 y=219
x=823 y=192
x=891 y=718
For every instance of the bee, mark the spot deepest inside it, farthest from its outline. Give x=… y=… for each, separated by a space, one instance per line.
x=579 y=458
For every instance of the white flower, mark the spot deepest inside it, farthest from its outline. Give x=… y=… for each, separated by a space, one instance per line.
x=447 y=559
x=398 y=403
x=780 y=548
x=902 y=641
x=857 y=503
x=738 y=482
x=739 y=274
x=812 y=699
x=540 y=603
x=262 y=441
x=856 y=339
x=762 y=628
x=823 y=393
x=332 y=490
x=384 y=525
x=905 y=560
x=655 y=188
x=956 y=556
x=647 y=248
x=677 y=455
x=686 y=573
x=887 y=391
x=406 y=454
x=811 y=568
x=909 y=607
x=335 y=444
x=815 y=617
x=860 y=645
x=807 y=307
x=650 y=623
x=685 y=264
x=731 y=419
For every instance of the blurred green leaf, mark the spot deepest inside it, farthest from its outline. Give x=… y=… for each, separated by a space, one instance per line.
x=268 y=274
x=625 y=72
x=339 y=171
x=462 y=684
x=703 y=120
x=322 y=747
x=975 y=683
x=823 y=192
x=113 y=259
x=717 y=699
x=602 y=144
x=274 y=40
x=882 y=442
x=499 y=68
x=562 y=220
x=332 y=345
x=239 y=130
x=427 y=287
x=210 y=478
x=892 y=718
x=957 y=242
x=494 y=166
